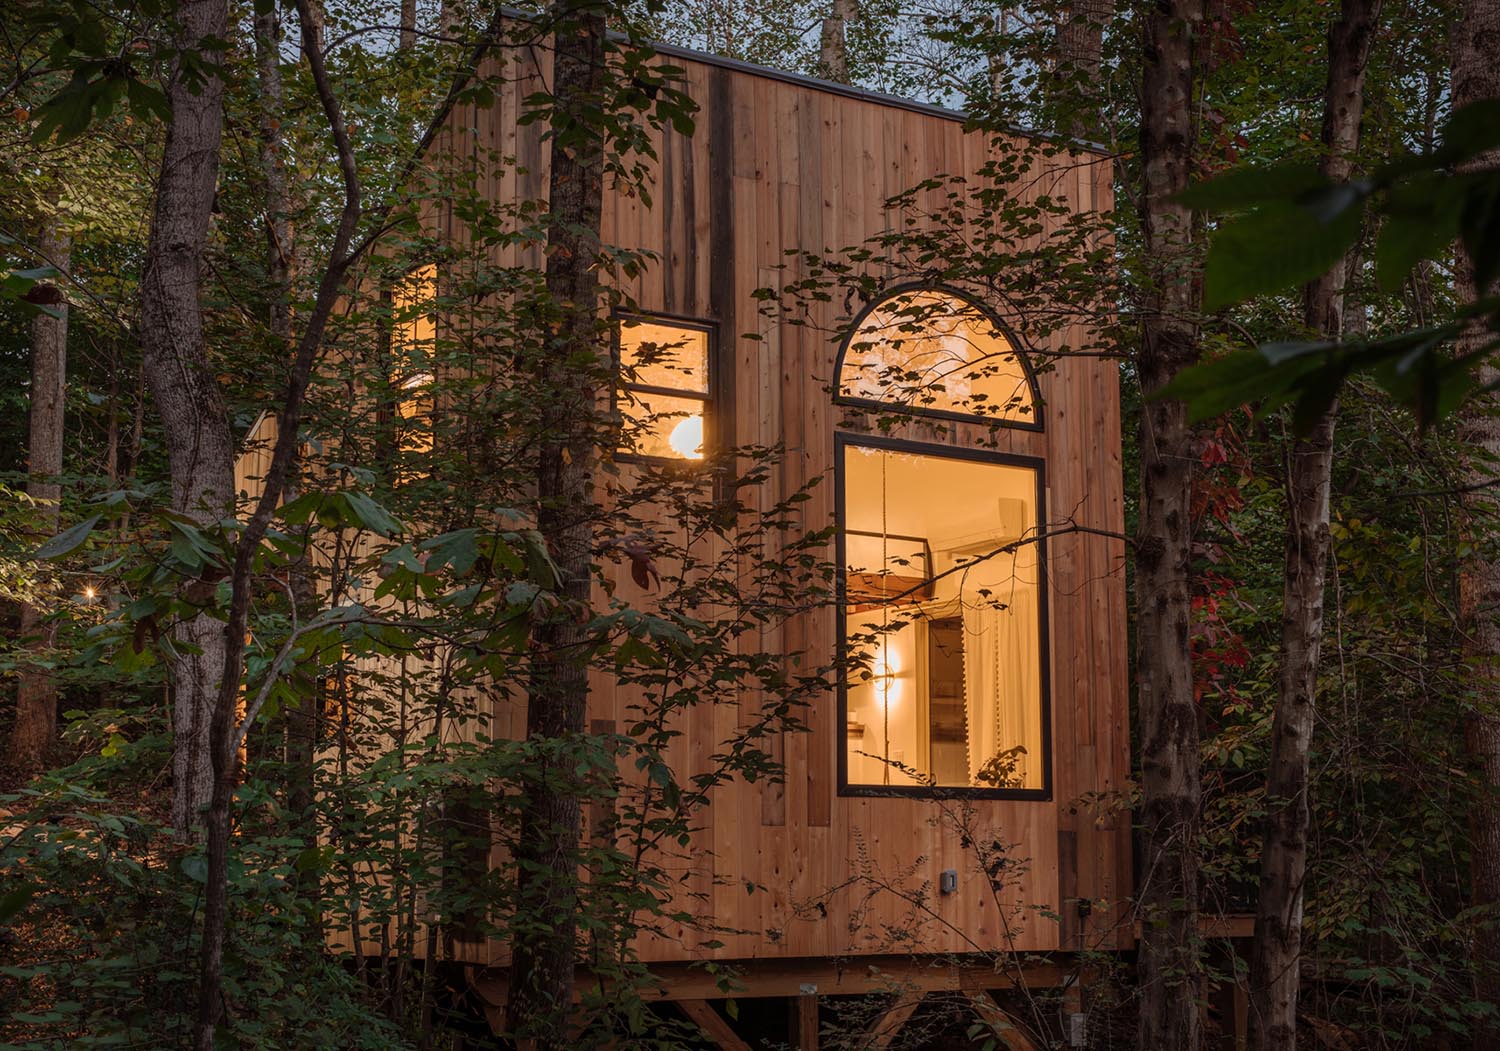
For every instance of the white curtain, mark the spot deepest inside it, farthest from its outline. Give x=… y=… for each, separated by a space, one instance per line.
x=1002 y=683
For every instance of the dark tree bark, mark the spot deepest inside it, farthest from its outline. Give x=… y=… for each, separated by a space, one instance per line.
x=1275 y=959
x=544 y=942
x=200 y=452
x=833 y=41
x=36 y=689
x=1168 y=958
x=1476 y=76
x=1078 y=63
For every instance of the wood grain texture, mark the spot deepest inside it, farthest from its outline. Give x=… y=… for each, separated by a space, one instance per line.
x=777 y=166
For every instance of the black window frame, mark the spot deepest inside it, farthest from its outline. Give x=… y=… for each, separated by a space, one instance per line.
x=709 y=398
x=1023 y=355
x=842 y=440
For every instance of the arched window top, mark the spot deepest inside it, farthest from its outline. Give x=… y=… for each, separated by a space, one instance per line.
x=937 y=352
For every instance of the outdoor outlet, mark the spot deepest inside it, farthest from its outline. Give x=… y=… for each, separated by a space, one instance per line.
x=948 y=881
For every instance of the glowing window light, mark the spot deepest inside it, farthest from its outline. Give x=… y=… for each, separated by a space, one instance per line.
x=686 y=438
x=883 y=677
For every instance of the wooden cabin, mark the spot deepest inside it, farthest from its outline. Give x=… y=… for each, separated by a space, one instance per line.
x=986 y=521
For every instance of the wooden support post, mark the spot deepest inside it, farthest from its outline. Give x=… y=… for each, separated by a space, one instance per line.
x=1010 y=1035
x=806 y=1018
x=889 y=1023
x=713 y=1025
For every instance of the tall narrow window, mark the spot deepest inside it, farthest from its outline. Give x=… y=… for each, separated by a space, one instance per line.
x=943 y=616
x=664 y=389
x=413 y=333
x=941 y=564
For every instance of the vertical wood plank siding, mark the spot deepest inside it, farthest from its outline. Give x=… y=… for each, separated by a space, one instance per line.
x=774 y=166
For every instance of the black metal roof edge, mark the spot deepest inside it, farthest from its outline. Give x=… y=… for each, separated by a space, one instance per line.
x=835 y=88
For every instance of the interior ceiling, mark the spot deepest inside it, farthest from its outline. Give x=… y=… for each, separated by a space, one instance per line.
x=941 y=498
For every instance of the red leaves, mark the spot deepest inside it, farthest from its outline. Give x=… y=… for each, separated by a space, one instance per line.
x=638 y=550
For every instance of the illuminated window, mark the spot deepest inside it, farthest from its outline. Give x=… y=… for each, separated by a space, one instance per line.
x=934 y=351
x=413 y=333
x=664 y=389
x=943 y=617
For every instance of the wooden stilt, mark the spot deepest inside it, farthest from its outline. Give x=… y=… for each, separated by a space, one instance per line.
x=713 y=1025
x=807 y=1019
x=890 y=1022
x=1010 y=1035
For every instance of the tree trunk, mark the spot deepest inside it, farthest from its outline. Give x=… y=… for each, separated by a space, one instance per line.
x=833 y=45
x=544 y=942
x=36 y=690
x=1080 y=46
x=1275 y=959
x=1476 y=76
x=200 y=452
x=1168 y=957
x=408 y=35
x=300 y=724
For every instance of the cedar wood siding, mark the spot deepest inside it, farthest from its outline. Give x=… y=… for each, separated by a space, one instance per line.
x=779 y=163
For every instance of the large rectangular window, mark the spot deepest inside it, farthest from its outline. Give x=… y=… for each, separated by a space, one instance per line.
x=943 y=618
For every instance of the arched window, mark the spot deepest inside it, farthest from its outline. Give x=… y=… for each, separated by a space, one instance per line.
x=943 y=606
x=937 y=352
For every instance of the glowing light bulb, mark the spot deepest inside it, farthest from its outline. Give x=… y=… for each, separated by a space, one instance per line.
x=686 y=438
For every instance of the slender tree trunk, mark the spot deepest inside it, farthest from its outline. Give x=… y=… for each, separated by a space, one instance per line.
x=544 y=947
x=1275 y=959
x=1078 y=63
x=1476 y=76
x=833 y=43
x=36 y=690
x=1168 y=956
x=408 y=35
x=279 y=246
x=200 y=452
x=300 y=724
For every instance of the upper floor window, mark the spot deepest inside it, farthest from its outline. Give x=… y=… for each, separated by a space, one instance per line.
x=664 y=388
x=936 y=352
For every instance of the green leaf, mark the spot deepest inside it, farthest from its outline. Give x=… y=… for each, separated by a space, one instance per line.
x=1479 y=226
x=1249 y=187
x=1420 y=220
x=1273 y=249
x=372 y=516
x=458 y=549
x=67 y=541
x=16 y=899
x=1212 y=388
x=1470 y=131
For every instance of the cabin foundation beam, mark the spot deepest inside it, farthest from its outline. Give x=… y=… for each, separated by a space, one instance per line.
x=714 y=1026
x=888 y=1025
